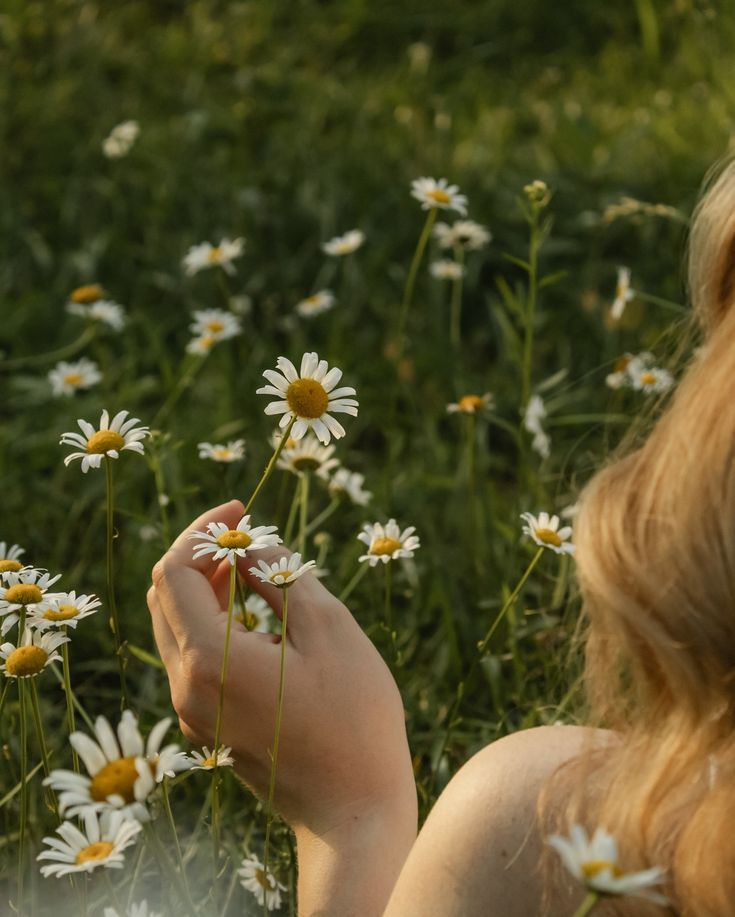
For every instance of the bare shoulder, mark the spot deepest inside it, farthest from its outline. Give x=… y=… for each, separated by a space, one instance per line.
x=479 y=850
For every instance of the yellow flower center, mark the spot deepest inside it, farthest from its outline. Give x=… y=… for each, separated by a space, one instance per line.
x=94 y=852
x=223 y=453
x=384 y=546
x=208 y=341
x=103 y=441
x=548 y=537
x=62 y=613
x=306 y=463
x=594 y=867
x=284 y=575
x=470 y=403
x=249 y=619
x=89 y=293
x=438 y=195
x=215 y=326
x=26 y=660
x=264 y=880
x=344 y=248
x=73 y=379
x=234 y=539
x=116 y=778
x=23 y=594
x=621 y=364
x=648 y=379
x=10 y=566
x=214 y=254
x=307 y=398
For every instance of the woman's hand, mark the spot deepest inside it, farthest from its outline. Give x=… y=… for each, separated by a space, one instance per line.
x=343 y=756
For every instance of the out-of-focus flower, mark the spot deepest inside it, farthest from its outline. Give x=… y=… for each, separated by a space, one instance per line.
x=205 y=255
x=466 y=233
x=639 y=373
x=546 y=533
x=234 y=451
x=472 y=404
x=120 y=139
x=101 y=310
x=206 y=761
x=87 y=294
x=388 y=542
x=653 y=379
x=445 y=269
x=256 y=616
x=317 y=303
x=217 y=322
x=101 y=844
x=349 y=484
x=438 y=194
x=623 y=294
x=68 y=378
x=221 y=541
x=308 y=455
x=31 y=657
x=345 y=244
x=309 y=395
x=538 y=194
x=112 y=438
x=265 y=887
x=284 y=572
x=535 y=413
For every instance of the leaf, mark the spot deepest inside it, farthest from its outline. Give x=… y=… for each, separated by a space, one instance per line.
x=145 y=656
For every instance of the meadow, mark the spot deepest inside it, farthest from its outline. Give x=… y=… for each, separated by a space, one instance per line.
x=579 y=135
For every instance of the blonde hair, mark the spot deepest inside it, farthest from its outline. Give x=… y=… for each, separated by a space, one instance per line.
x=656 y=565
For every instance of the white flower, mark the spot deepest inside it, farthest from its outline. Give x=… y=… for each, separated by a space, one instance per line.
x=207 y=255
x=112 y=438
x=283 y=572
x=535 y=412
x=652 y=379
x=433 y=194
x=594 y=864
x=308 y=454
x=148 y=533
x=546 y=533
x=316 y=303
x=234 y=451
x=200 y=346
x=101 y=310
x=35 y=652
x=350 y=484
x=266 y=888
x=638 y=372
x=122 y=771
x=446 y=270
x=66 y=608
x=472 y=404
x=257 y=615
x=218 y=323
x=9 y=558
x=623 y=294
x=26 y=589
x=206 y=762
x=619 y=377
x=120 y=139
x=466 y=233
x=388 y=542
x=135 y=910
x=68 y=378
x=101 y=844
x=309 y=396
x=346 y=244
x=220 y=541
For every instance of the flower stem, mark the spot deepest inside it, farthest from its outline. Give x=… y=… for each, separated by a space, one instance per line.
x=271 y=465
x=36 y=709
x=304 y=514
x=530 y=308
x=482 y=645
x=114 y=620
x=218 y=724
x=293 y=509
x=412 y=273
x=388 y=607
x=276 y=737
x=23 y=791
x=185 y=380
x=164 y=861
x=322 y=517
x=61 y=354
x=347 y=591
x=179 y=857
x=455 y=309
x=70 y=718
x=586 y=906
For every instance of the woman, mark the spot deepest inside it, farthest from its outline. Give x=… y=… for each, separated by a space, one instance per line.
x=656 y=558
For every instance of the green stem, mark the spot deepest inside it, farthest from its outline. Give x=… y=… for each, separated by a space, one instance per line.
x=155 y=462
x=271 y=465
x=23 y=792
x=388 y=607
x=185 y=380
x=179 y=857
x=482 y=644
x=114 y=620
x=455 y=311
x=71 y=722
x=223 y=285
x=62 y=353
x=530 y=310
x=412 y=273
x=3 y=697
x=586 y=906
x=304 y=514
x=36 y=710
x=80 y=710
x=218 y=725
x=359 y=573
x=322 y=517
x=276 y=737
x=293 y=509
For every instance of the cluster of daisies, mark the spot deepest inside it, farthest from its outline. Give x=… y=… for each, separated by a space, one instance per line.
x=640 y=373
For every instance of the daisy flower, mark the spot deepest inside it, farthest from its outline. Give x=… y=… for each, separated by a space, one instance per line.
x=199 y=257
x=623 y=294
x=308 y=454
x=266 y=888
x=218 y=323
x=9 y=554
x=446 y=269
x=317 y=303
x=535 y=413
x=101 y=310
x=123 y=772
x=135 y=910
x=470 y=235
x=200 y=346
x=111 y=439
x=234 y=451
x=388 y=542
x=349 y=484
x=87 y=294
x=472 y=404
x=433 y=194
x=652 y=379
x=593 y=862
x=219 y=541
x=283 y=572
x=309 y=395
x=100 y=844
x=206 y=762
x=546 y=533
x=28 y=590
x=66 y=608
x=120 y=139
x=346 y=244
x=257 y=615
x=619 y=376
x=68 y=378
x=35 y=652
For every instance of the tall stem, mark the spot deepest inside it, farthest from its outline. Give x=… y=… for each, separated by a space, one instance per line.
x=276 y=737
x=482 y=644
x=388 y=607
x=530 y=309
x=304 y=513
x=114 y=620
x=36 y=709
x=271 y=465
x=455 y=309
x=70 y=718
x=586 y=906
x=23 y=791
x=412 y=273
x=322 y=517
x=359 y=573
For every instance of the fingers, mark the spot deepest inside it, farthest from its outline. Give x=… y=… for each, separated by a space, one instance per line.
x=168 y=648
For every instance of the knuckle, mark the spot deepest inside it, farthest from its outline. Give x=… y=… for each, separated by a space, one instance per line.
x=161 y=570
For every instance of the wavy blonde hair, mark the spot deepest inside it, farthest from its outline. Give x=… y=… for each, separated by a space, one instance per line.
x=656 y=565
